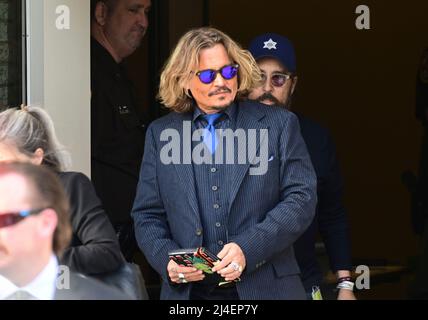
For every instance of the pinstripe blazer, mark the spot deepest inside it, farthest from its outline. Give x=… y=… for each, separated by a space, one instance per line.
x=267 y=213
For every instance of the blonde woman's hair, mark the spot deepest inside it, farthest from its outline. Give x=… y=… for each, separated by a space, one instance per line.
x=184 y=61
x=31 y=128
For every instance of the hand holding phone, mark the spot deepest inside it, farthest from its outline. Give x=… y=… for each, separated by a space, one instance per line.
x=182 y=274
x=201 y=259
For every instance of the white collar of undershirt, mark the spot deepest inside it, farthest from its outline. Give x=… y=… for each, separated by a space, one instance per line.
x=43 y=286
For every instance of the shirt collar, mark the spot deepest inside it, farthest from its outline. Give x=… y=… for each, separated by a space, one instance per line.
x=43 y=287
x=100 y=55
x=230 y=112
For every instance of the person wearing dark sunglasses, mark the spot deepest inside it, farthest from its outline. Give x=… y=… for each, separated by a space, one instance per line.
x=27 y=134
x=10 y=218
x=248 y=221
x=227 y=73
x=34 y=231
x=276 y=58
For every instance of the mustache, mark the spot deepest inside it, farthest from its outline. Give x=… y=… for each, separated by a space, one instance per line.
x=267 y=96
x=220 y=90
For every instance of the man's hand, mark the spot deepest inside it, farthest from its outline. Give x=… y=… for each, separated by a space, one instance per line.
x=233 y=262
x=181 y=274
x=346 y=295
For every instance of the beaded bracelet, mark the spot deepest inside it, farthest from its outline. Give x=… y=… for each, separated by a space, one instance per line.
x=344 y=279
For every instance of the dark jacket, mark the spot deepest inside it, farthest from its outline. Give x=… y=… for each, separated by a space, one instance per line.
x=117 y=135
x=330 y=218
x=94 y=248
x=266 y=212
x=84 y=288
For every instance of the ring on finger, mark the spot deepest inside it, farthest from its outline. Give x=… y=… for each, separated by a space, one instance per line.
x=235 y=266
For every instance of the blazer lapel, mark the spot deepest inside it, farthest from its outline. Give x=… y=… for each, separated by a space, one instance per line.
x=245 y=120
x=185 y=171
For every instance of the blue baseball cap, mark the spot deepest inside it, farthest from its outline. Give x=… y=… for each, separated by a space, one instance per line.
x=274 y=46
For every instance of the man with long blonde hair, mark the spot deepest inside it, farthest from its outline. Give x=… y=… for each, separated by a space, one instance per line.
x=228 y=175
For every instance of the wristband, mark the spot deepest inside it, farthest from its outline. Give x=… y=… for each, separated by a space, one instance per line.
x=347 y=285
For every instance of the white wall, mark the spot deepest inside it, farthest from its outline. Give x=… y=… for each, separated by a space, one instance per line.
x=58 y=67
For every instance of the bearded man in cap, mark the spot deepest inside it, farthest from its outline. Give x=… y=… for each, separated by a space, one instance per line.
x=277 y=60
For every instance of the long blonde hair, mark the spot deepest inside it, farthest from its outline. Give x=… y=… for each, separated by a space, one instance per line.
x=177 y=71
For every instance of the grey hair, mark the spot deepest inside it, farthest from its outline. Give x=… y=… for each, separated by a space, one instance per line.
x=30 y=128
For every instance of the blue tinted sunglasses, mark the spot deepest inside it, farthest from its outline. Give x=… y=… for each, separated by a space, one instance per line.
x=11 y=218
x=227 y=72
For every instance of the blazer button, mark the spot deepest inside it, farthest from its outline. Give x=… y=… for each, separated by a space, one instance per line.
x=199 y=232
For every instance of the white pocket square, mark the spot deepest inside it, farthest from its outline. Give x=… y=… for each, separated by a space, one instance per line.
x=271 y=158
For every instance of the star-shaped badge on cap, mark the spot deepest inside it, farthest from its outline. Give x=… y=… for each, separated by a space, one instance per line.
x=270 y=44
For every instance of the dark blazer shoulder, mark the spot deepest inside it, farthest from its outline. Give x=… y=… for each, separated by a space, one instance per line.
x=275 y=117
x=250 y=108
x=259 y=109
x=171 y=117
x=70 y=179
x=86 y=288
x=78 y=188
x=255 y=107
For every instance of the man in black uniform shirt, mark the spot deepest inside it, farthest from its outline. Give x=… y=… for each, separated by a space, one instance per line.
x=117 y=132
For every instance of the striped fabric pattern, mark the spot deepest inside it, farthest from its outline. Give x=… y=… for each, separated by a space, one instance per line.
x=265 y=214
